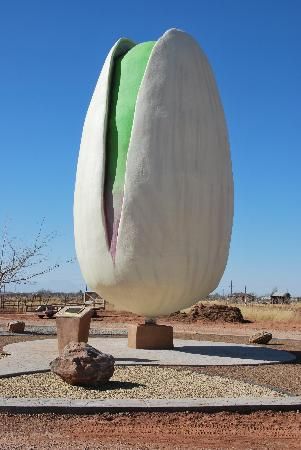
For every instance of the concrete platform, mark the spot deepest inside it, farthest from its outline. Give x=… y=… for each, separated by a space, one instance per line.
x=33 y=356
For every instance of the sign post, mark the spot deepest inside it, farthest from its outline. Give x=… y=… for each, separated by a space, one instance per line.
x=73 y=324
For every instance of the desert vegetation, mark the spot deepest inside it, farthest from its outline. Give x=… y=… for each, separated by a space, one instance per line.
x=267 y=312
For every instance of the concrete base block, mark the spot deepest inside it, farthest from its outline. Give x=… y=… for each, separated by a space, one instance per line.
x=150 y=336
x=70 y=329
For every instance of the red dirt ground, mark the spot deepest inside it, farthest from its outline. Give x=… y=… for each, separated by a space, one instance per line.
x=111 y=319
x=222 y=431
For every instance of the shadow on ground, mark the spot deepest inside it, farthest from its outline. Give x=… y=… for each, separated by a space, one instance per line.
x=114 y=385
x=237 y=351
x=140 y=360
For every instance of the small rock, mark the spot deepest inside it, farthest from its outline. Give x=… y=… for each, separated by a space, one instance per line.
x=261 y=338
x=82 y=364
x=16 y=326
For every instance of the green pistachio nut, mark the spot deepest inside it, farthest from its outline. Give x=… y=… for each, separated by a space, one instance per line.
x=127 y=74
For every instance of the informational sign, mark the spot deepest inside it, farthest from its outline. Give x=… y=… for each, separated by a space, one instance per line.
x=74 y=311
x=73 y=324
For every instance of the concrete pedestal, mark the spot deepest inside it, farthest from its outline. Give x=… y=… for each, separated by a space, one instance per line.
x=72 y=329
x=150 y=336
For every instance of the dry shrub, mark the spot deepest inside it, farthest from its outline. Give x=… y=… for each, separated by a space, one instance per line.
x=270 y=313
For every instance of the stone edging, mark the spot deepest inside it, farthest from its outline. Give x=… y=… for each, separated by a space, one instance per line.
x=209 y=405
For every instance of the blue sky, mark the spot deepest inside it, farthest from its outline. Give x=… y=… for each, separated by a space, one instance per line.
x=51 y=56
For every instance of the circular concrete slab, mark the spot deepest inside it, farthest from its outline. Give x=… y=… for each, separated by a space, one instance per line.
x=192 y=353
x=36 y=355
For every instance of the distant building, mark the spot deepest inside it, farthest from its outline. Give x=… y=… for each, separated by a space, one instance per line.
x=240 y=297
x=92 y=298
x=280 y=297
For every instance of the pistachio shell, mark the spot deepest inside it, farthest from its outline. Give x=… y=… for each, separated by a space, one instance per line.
x=89 y=221
x=176 y=218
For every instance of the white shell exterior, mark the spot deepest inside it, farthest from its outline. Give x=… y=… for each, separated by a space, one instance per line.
x=177 y=212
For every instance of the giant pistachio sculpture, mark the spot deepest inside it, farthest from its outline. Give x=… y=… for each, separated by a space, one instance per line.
x=154 y=191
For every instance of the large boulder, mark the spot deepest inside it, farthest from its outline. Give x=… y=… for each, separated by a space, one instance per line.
x=16 y=326
x=82 y=364
x=261 y=338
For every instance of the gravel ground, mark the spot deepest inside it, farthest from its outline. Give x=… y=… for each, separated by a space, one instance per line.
x=286 y=377
x=135 y=382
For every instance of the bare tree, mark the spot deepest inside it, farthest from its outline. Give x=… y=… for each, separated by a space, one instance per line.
x=21 y=264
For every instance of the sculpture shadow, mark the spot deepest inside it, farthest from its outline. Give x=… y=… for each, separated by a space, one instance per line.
x=115 y=385
x=297 y=355
x=237 y=351
x=138 y=360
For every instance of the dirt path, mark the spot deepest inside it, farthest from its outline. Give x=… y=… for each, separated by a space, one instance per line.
x=109 y=319
x=264 y=430
x=280 y=330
